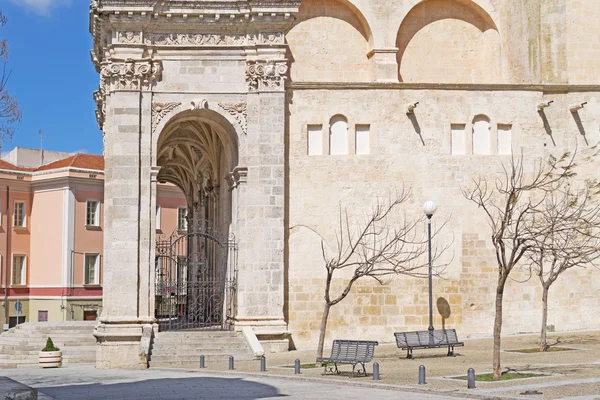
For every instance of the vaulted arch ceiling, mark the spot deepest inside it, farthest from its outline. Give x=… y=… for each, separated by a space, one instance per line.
x=189 y=154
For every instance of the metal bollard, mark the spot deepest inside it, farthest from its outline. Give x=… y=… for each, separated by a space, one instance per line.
x=263 y=364
x=375 y=371
x=297 y=366
x=231 y=362
x=471 y=378
x=201 y=361
x=422 y=375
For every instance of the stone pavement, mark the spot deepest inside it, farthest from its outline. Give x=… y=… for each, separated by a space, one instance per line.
x=84 y=382
x=570 y=375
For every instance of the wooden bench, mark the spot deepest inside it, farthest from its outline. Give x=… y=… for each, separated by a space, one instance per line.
x=352 y=352
x=424 y=340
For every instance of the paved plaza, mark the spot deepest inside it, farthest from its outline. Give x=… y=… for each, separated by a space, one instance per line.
x=86 y=382
x=569 y=375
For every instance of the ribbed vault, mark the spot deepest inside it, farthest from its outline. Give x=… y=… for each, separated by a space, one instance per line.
x=196 y=151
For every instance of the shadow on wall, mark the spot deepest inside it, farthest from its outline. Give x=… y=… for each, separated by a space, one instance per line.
x=446 y=41
x=444 y=309
x=177 y=388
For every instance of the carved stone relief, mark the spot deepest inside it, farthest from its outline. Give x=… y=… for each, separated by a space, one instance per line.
x=238 y=111
x=265 y=75
x=160 y=110
x=130 y=37
x=210 y=39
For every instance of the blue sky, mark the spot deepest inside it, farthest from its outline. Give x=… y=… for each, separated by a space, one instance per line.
x=52 y=75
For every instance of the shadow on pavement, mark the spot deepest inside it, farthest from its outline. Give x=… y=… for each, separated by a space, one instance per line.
x=167 y=388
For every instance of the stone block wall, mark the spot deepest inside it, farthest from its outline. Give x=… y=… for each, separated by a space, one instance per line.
x=415 y=150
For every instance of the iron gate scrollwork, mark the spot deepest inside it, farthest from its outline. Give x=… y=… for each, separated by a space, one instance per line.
x=195 y=280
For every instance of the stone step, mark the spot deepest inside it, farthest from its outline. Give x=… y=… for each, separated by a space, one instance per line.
x=202 y=334
x=182 y=349
x=195 y=360
x=201 y=343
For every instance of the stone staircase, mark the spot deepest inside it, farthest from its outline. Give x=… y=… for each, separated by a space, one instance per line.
x=183 y=349
x=20 y=346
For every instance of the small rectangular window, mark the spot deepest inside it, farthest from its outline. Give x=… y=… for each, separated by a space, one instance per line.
x=158 y=214
x=363 y=141
x=315 y=140
x=19 y=270
x=458 y=139
x=19 y=218
x=504 y=139
x=182 y=218
x=92 y=270
x=92 y=217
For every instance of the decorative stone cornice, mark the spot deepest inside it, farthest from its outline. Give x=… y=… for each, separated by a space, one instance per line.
x=160 y=110
x=238 y=111
x=262 y=75
x=167 y=23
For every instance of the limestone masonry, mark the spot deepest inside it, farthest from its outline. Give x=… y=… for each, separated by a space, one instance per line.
x=270 y=114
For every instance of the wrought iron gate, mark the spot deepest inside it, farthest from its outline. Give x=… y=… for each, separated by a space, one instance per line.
x=195 y=281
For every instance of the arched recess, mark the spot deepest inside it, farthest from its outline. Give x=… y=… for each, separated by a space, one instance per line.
x=329 y=42
x=449 y=41
x=482 y=141
x=338 y=135
x=196 y=151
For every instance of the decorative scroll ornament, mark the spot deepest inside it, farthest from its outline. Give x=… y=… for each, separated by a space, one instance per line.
x=266 y=75
x=129 y=74
x=160 y=110
x=238 y=111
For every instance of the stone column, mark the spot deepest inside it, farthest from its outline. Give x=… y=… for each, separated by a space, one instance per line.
x=260 y=202
x=125 y=327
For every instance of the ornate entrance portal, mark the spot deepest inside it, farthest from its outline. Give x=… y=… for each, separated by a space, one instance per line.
x=195 y=267
x=195 y=280
x=191 y=94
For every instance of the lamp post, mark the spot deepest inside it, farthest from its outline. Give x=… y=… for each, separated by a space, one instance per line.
x=429 y=208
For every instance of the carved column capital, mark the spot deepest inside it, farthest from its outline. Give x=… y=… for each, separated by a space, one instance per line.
x=129 y=74
x=266 y=75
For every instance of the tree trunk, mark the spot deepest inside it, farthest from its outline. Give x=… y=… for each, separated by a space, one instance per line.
x=498 y=330
x=323 y=330
x=543 y=341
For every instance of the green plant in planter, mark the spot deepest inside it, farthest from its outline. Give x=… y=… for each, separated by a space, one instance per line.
x=50 y=346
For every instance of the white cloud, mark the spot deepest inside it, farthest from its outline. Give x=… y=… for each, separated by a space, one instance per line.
x=42 y=7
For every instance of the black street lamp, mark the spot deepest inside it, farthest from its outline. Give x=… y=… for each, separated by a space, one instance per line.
x=429 y=208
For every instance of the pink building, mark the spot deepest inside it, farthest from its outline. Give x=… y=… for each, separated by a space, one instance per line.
x=51 y=220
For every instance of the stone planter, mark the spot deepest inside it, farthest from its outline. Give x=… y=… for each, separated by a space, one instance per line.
x=50 y=359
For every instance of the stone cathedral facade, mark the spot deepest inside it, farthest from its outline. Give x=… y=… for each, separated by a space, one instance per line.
x=270 y=114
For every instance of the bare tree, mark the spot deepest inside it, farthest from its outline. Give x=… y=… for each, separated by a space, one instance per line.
x=375 y=250
x=509 y=202
x=9 y=106
x=569 y=223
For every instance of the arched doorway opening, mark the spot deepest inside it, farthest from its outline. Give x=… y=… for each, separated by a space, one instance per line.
x=195 y=270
